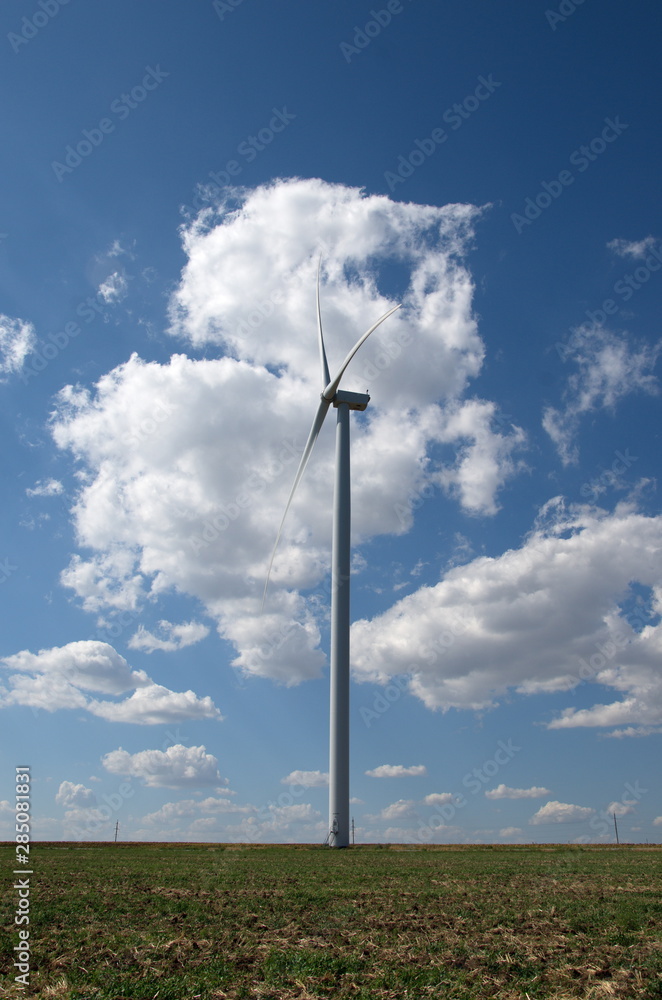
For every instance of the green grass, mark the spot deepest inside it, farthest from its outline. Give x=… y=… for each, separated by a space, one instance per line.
x=177 y=922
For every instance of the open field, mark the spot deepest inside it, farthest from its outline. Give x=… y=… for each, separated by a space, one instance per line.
x=178 y=921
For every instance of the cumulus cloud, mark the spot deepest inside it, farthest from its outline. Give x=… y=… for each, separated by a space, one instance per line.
x=88 y=665
x=398 y=810
x=114 y=289
x=609 y=368
x=176 y=767
x=542 y=618
x=439 y=798
x=622 y=808
x=49 y=488
x=220 y=818
x=70 y=795
x=632 y=248
x=156 y=705
x=657 y=821
x=504 y=792
x=485 y=457
x=174 y=813
x=172 y=637
x=397 y=771
x=510 y=831
x=59 y=678
x=86 y=823
x=561 y=812
x=185 y=477
x=307 y=779
x=17 y=340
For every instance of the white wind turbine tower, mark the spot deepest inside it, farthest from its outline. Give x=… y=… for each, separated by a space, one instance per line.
x=340 y=573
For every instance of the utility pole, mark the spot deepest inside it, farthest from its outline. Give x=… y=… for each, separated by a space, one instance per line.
x=616 y=829
x=352 y=831
x=117 y=826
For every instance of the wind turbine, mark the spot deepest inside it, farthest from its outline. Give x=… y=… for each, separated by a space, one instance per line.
x=340 y=572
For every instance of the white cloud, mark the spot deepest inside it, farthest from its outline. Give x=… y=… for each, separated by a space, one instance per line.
x=439 y=798
x=657 y=821
x=176 y=767
x=85 y=823
x=484 y=462
x=173 y=813
x=561 y=812
x=88 y=664
x=58 y=678
x=609 y=369
x=398 y=810
x=504 y=792
x=511 y=831
x=397 y=771
x=307 y=779
x=17 y=340
x=50 y=488
x=114 y=289
x=632 y=248
x=622 y=808
x=186 y=476
x=632 y=731
x=70 y=795
x=173 y=637
x=281 y=824
x=156 y=705
x=544 y=617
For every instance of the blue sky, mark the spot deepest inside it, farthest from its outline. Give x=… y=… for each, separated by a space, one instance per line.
x=172 y=173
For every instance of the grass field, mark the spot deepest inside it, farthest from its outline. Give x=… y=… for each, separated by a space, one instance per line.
x=184 y=921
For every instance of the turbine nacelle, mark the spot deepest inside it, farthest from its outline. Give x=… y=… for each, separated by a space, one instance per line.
x=356 y=400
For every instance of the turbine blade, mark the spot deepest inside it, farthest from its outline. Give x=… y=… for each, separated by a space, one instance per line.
x=330 y=390
x=325 y=366
x=310 y=443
